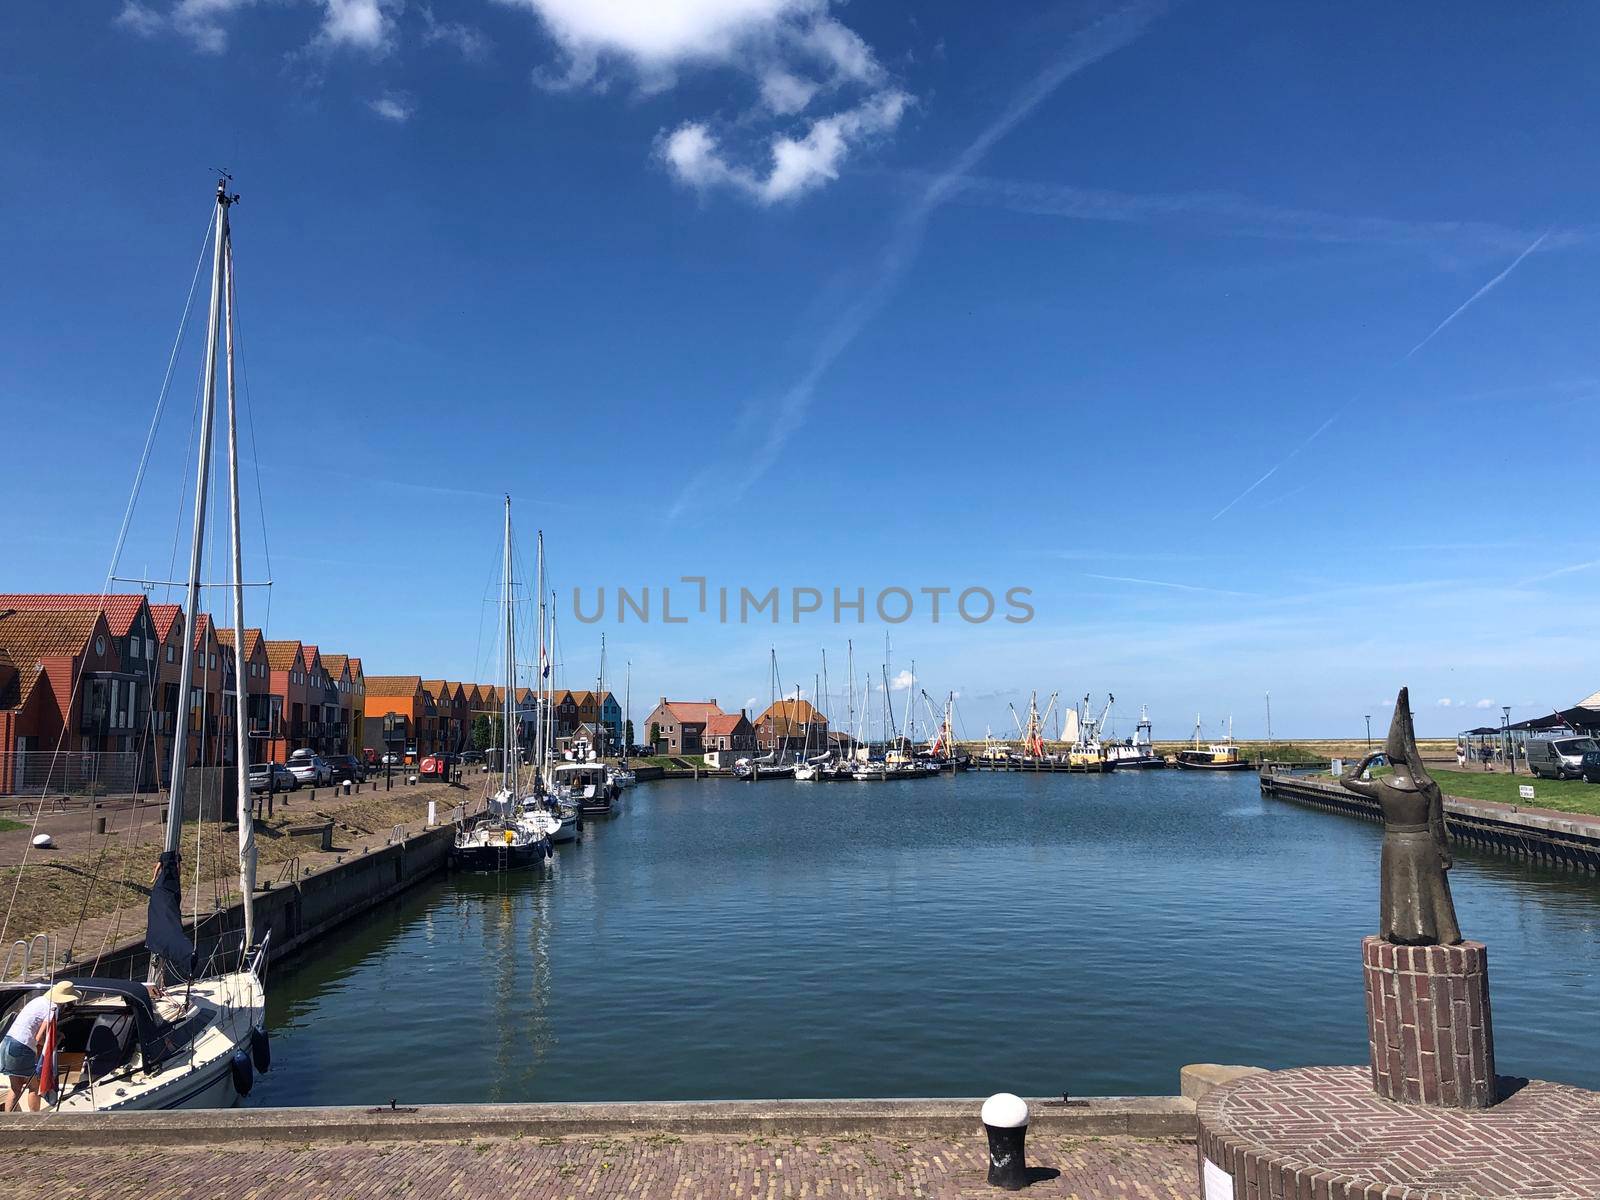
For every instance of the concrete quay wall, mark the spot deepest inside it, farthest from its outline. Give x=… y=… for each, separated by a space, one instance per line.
x=299 y=911
x=1550 y=838
x=1133 y=1116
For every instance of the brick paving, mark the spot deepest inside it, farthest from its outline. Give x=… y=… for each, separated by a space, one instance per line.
x=1285 y=1130
x=647 y=1166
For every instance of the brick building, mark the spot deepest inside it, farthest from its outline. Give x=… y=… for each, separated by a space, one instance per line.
x=679 y=726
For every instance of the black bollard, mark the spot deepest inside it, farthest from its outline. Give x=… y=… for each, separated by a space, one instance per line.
x=1005 y=1119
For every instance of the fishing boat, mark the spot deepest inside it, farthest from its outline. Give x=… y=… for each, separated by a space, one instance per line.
x=191 y=1036
x=505 y=836
x=1217 y=756
x=1138 y=751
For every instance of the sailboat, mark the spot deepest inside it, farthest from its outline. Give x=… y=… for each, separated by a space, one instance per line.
x=191 y=1036
x=504 y=836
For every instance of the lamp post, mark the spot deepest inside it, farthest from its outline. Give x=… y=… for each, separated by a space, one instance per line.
x=1369 y=733
x=1505 y=734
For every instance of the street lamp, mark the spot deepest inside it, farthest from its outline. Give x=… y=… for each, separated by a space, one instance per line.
x=1369 y=733
x=1505 y=727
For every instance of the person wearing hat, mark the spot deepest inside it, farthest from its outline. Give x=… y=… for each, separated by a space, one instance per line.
x=19 y=1049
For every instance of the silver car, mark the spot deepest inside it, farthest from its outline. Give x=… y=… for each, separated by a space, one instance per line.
x=309 y=767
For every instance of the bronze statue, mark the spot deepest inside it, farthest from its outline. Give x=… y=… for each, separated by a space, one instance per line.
x=1415 y=908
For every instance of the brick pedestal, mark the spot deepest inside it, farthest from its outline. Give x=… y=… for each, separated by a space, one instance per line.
x=1428 y=1028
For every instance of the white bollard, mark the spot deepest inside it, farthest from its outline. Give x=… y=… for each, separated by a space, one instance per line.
x=433 y=813
x=1005 y=1119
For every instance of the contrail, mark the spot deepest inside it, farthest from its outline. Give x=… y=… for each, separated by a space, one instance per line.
x=1343 y=408
x=1163 y=583
x=1107 y=35
x=1478 y=295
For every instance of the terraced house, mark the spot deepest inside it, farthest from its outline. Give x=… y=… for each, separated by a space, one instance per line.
x=68 y=707
x=130 y=629
x=393 y=714
x=258 y=684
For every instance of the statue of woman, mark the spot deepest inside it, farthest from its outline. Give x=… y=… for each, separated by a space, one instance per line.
x=1414 y=905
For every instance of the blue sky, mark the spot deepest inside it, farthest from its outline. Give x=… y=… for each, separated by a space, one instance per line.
x=1227 y=330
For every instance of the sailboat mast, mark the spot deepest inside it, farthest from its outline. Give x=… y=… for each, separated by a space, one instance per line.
x=241 y=729
x=508 y=702
x=191 y=604
x=541 y=691
x=850 y=675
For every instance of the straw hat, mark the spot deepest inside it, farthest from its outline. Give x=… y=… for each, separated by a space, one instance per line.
x=64 y=993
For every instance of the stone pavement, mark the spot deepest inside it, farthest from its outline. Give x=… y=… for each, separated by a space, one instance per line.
x=1323 y=1131
x=634 y=1165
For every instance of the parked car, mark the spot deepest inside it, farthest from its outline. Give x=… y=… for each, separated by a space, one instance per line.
x=310 y=767
x=1565 y=758
x=346 y=768
x=472 y=756
x=369 y=756
x=391 y=760
x=274 y=775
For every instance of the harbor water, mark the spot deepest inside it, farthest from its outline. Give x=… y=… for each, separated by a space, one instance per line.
x=951 y=937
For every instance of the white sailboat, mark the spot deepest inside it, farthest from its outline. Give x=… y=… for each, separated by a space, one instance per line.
x=191 y=1036
x=550 y=814
x=504 y=836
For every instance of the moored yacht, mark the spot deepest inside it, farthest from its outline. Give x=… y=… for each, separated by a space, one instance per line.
x=193 y=1036
x=504 y=837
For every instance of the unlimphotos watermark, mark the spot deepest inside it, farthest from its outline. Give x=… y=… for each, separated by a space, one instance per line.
x=728 y=605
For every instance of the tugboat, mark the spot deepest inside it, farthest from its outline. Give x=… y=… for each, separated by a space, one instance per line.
x=1218 y=756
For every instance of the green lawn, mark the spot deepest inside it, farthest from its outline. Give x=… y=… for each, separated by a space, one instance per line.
x=7 y=826
x=1565 y=795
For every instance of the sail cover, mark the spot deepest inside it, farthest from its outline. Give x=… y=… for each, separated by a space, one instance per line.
x=164 y=936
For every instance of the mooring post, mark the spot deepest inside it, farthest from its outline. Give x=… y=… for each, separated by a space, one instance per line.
x=1005 y=1119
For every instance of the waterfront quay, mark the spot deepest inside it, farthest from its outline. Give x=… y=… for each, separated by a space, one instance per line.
x=652 y=1165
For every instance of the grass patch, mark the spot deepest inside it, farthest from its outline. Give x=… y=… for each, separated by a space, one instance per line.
x=7 y=826
x=1564 y=795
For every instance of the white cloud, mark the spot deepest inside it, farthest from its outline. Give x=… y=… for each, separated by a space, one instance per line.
x=798 y=165
x=357 y=24
x=785 y=93
x=467 y=40
x=902 y=681
x=1445 y=703
x=793 y=52
x=200 y=21
x=393 y=106
x=1484 y=704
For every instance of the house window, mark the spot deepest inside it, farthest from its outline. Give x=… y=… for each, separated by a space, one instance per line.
x=134 y=648
x=149 y=649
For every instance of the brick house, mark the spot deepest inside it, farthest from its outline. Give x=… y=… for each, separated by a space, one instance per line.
x=358 y=704
x=729 y=732
x=679 y=726
x=131 y=629
x=286 y=699
x=210 y=720
x=392 y=718
x=63 y=687
x=258 y=683
x=792 y=725
x=338 y=667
